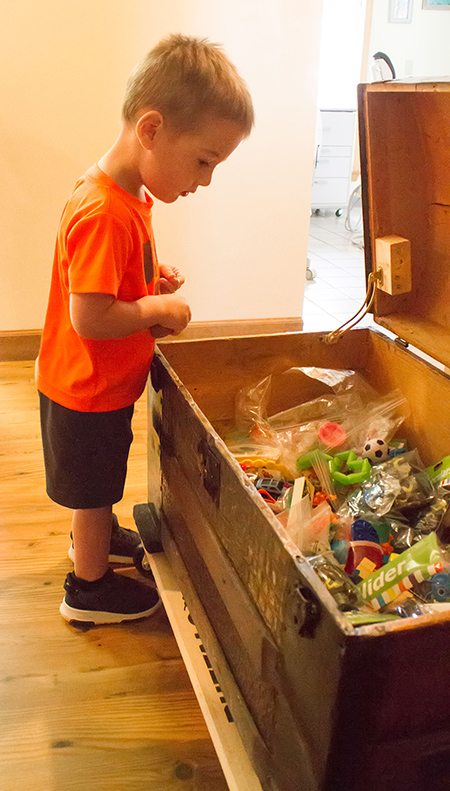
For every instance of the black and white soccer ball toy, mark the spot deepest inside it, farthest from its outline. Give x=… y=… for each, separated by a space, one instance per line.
x=376 y=450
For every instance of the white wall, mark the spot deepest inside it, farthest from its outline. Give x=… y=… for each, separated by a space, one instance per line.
x=340 y=53
x=420 y=48
x=242 y=242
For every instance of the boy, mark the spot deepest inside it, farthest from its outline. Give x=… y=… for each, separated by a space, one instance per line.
x=185 y=111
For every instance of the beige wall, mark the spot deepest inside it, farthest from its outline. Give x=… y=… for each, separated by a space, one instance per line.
x=242 y=242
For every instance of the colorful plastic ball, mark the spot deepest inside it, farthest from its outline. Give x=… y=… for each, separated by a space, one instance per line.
x=440 y=586
x=364 y=531
x=332 y=434
x=376 y=450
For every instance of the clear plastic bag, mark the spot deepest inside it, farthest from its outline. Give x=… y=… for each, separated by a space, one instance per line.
x=378 y=419
x=337 y=582
x=399 y=484
x=348 y=403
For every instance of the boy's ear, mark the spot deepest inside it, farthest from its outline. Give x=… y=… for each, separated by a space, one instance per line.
x=147 y=128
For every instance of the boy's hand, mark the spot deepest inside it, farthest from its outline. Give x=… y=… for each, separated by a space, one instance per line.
x=170 y=279
x=177 y=315
x=160 y=332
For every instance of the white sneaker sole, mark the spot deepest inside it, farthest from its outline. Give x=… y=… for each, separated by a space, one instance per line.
x=123 y=559
x=99 y=617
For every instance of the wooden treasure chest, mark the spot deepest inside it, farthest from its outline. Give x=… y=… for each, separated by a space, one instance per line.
x=321 y=704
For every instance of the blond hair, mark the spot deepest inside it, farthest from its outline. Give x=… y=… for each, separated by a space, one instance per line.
x=186 y=79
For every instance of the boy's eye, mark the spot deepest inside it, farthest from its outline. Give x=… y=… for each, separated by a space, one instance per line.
x=203 y=163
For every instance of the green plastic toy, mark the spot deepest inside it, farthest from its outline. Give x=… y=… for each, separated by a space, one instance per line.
x=361 y=468
x=308 y=459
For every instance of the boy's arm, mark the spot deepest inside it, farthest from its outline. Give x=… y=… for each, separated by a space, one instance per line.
x=102 y=317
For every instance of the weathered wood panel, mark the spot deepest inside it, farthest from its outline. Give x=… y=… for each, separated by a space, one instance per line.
x=404 y=175
x=344 y=687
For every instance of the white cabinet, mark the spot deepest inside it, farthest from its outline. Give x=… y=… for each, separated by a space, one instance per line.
x=333 y=169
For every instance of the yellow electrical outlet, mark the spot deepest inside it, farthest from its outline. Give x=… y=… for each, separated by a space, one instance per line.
x=393 y=259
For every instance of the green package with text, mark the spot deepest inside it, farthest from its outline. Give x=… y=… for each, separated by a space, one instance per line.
x=416 y=564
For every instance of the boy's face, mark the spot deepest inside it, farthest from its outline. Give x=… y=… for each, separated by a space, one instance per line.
x=175 y=164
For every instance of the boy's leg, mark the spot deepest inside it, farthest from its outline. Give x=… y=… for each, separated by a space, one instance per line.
x=123 y=545
x=91 y=530
x=94 y=593
x=85 y=461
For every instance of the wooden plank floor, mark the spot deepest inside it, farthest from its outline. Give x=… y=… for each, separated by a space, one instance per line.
x=108 y=709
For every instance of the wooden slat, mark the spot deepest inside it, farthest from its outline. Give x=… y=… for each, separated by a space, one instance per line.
x=235 y=762
x=251 y=738
x=228 y=328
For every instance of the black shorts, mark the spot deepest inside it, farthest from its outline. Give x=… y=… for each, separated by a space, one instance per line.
x=85 y=454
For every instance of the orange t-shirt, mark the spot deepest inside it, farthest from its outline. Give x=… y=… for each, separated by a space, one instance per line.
x=104 y=245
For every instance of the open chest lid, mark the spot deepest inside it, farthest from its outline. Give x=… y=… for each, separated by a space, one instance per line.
x=404 y=130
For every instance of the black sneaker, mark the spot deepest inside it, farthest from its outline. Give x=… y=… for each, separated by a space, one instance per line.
x=122 y=547
x=111 y=599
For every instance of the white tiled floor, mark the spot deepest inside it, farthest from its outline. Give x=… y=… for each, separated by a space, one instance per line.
x=338 y=288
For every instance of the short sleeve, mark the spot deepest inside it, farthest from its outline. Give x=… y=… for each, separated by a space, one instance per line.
x=98 y=247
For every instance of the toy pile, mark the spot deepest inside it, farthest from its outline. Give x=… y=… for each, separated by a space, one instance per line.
x=350 y=494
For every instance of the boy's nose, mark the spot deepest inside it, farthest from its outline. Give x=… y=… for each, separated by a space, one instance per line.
x=205 y=180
